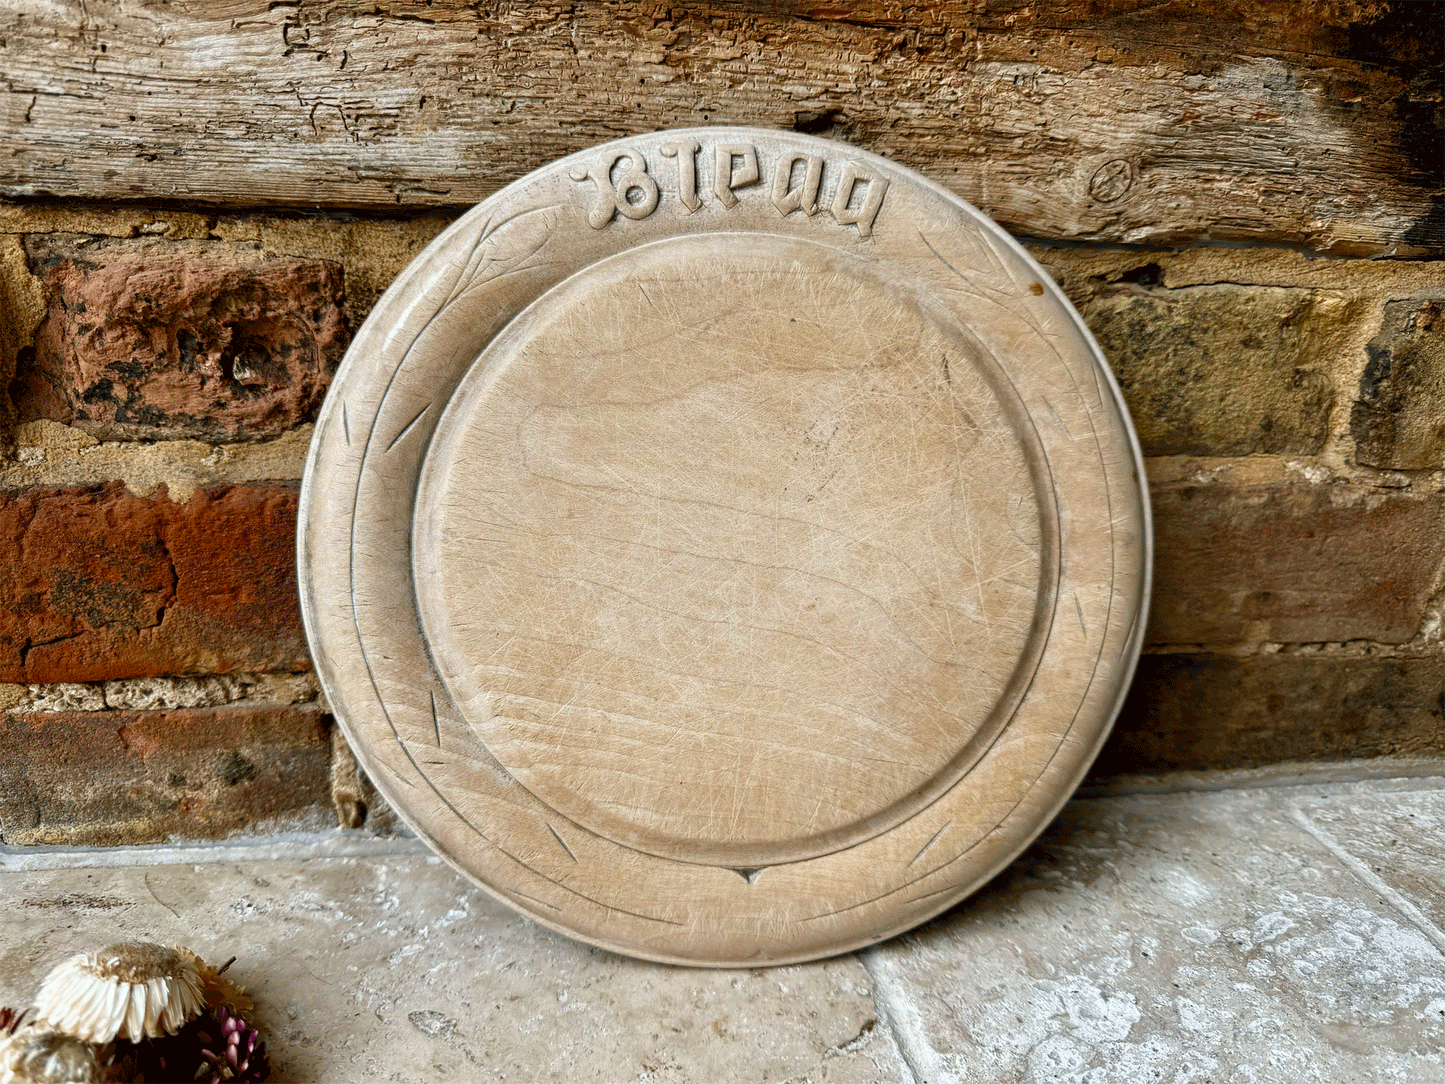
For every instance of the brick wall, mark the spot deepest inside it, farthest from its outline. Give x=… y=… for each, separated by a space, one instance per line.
x=1292 y=415
x=165 y=355
x=163 y=370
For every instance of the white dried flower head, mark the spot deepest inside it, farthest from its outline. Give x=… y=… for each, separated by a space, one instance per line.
x=131 y=991
x=40 y=1055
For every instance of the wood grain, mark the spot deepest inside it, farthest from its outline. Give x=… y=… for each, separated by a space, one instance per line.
x=734 y=552
x=1149 y=123
x=726 y=546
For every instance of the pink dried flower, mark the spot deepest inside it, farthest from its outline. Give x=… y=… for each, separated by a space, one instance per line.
x=240 y=1056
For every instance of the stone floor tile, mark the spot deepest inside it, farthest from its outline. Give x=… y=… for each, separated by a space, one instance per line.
x=1176 y=938
x=1394 y=835
x=1264 y=936
x=392 y=967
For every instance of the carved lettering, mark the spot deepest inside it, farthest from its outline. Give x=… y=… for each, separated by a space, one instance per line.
x=624 y=186
x=804 y=197
x=615 y=195
x=726 y=178
x=867 y=211
x=685 y=153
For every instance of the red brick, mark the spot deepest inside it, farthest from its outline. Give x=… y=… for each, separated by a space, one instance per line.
x=105 y=778
x=156 y=341
x=1293 y=563
x=104 y=584
x=1200 y=711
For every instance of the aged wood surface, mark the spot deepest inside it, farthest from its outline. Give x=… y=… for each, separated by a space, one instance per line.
x=725 y=545
x=1120 y=120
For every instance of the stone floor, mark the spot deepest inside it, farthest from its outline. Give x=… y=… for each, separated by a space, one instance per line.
x=1269 y=933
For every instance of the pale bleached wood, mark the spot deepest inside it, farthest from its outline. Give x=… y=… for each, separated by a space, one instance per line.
x=1254 y=119
x=726 y=546
x=734 y=552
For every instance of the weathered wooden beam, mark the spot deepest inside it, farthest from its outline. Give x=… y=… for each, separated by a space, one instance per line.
x=1097 y=120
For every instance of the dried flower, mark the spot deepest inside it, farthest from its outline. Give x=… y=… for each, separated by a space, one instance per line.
x=217 y=990
x=40 y=1055
x=240 y=1055
x=133 y=991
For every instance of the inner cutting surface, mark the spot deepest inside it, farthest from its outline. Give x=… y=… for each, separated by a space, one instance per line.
x=731 y=550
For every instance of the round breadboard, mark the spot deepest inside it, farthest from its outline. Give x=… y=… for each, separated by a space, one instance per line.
x=726 y=546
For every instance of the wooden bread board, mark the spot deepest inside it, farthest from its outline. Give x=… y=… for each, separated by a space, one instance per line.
x=725 y=546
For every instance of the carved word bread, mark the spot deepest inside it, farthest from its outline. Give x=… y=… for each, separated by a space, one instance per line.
x=626 y=188
x=725 y=546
